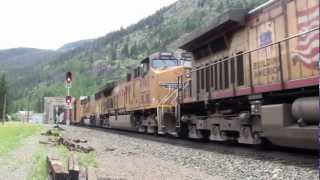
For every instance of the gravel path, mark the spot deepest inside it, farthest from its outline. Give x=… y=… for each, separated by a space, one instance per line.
x=17 y=165
x=122 y=156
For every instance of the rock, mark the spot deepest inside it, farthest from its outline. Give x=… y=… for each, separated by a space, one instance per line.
x=110 y=149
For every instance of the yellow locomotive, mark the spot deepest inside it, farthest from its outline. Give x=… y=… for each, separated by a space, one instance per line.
x=144 y=102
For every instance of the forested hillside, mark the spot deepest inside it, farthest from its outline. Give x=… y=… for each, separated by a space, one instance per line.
x=99 y=61
x=17 y=58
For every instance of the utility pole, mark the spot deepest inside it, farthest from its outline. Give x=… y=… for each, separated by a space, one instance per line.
x=31 y=94
x=4 y=91
x=4 y=108
x=28 y=109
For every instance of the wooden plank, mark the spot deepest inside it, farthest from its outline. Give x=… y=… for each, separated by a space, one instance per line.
x=91 y=174
x=83 y=174
x=73 y=167
x=56 y=169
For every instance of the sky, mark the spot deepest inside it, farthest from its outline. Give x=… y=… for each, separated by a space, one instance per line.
x=48 y=24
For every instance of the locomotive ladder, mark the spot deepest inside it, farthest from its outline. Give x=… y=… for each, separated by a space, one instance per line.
x=165 y=103
x=172 y=99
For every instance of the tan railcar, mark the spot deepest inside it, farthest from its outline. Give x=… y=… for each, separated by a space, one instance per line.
x=271 y=24
x=264 y=60
x=76 y=118
x=85 y=112
x=98 y=108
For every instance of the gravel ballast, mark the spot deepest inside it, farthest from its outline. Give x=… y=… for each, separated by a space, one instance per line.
x=135 y=156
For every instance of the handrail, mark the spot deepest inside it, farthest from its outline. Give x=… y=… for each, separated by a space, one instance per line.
x=169 y=95
x=183 y=88
x=165 y=97
x=250 y=51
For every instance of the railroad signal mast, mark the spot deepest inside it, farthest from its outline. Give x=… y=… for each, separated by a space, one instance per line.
x=68 y=83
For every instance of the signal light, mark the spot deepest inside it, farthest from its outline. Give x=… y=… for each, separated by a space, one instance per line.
x=69 y=77
x=68 y=100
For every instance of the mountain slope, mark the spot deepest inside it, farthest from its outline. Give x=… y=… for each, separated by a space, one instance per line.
x=24 y=57
x=74 y=45
x=96 y=62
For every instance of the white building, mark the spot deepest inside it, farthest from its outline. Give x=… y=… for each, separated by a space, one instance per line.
x=25 y=116
x=54 y=109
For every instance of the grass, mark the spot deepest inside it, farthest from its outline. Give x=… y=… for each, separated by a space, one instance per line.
x=12 y=135
x=39 y=168
x=85 y=160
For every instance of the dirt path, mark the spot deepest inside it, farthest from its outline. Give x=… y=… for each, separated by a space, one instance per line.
x=17 y=164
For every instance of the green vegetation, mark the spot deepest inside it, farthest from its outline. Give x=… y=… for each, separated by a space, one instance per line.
x=13 y=134
x=39 y=168
x=85 y=160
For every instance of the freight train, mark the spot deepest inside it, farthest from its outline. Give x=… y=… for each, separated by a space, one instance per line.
x=138 y=102
x=254 y=79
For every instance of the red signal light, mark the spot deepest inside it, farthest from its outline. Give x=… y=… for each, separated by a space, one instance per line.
x=68 y=100
x=69 y=77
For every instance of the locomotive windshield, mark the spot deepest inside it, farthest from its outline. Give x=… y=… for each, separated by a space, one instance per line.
x=186 y=63
x=164 y=63
x=186 y=59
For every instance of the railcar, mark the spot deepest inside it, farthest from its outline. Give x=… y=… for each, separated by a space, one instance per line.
x=255 y=76
x=84 y=111
x=75 y=119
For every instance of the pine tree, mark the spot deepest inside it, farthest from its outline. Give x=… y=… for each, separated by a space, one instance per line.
x=133 y=50
x=125 y=50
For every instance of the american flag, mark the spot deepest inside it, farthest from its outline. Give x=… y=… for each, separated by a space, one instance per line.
x=307 y=49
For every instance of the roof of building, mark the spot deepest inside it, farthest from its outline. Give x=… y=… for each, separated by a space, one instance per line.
x=226 y=22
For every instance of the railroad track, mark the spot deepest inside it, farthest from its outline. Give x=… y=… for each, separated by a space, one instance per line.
x=287 y=155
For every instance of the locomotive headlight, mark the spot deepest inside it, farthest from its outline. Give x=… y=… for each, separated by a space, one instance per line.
x=255 y=107
x=187 y=74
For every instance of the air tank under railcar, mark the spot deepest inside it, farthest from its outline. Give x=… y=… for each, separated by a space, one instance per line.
x=306 y=110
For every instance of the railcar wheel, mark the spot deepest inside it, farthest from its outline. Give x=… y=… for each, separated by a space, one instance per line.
x=194 y=133
x=183 y=131
x=264 y=145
